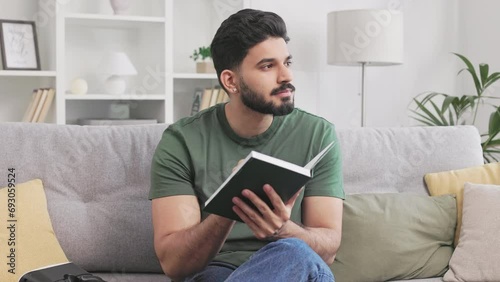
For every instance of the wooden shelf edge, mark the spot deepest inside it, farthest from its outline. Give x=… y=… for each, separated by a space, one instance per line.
x=27 y=73
x=92 y=97
x=195 y=76
x=106 y=17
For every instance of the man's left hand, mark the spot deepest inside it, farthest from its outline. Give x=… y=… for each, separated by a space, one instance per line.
x=266 y=223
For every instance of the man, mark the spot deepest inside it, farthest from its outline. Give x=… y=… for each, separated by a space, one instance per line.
x=292 y=241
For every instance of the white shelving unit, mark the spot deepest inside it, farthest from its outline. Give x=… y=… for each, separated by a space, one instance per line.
x=195 y=76
x=16 y=86
x=118 y=21
x=17 y=73
x=158 y=97
x=157 y=35
x=87 y=32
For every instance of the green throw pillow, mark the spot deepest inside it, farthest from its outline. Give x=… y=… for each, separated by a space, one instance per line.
x=395 y=236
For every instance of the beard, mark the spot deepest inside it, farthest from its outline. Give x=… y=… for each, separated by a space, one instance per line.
x=257 y=102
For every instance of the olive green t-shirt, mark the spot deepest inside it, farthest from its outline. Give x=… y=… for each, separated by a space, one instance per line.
x=197 y=153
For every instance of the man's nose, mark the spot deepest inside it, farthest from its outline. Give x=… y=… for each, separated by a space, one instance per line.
x=285 y=75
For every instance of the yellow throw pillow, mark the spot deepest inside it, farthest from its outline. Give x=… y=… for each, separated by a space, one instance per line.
x=452 y=182
x=26 y=234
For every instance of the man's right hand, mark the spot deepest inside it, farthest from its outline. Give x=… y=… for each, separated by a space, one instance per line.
x=185 y=245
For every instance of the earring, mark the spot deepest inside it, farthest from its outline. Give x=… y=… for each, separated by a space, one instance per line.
x=234 y=89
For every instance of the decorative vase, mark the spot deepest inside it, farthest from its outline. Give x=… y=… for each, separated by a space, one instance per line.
x=79 y=86
x=205 y=67
x=120 y=6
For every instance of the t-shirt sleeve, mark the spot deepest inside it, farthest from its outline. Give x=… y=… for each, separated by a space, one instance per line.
x=327 y=177
x=170 y=167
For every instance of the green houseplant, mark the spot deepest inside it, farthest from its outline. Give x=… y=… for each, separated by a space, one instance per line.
x=439 y=109
x=202 y=56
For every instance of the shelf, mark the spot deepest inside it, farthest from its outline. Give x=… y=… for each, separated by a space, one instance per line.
x=114 y=97
x=22 y=73
x=112 y=21
x=195 y=76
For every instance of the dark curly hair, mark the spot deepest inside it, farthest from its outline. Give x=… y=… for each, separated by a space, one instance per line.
x=240 y=32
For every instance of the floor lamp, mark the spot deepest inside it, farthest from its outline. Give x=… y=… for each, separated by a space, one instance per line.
x=365 y=38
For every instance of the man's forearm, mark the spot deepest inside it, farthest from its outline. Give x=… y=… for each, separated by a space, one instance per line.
x=324 y=241
x=189 y=251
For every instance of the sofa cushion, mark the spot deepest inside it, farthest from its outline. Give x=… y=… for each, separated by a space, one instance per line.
x=452 y=182
x=395 y=236
x=477 y=255
x=28 y=240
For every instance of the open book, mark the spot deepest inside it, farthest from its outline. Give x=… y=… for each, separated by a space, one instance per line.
x=256 y=170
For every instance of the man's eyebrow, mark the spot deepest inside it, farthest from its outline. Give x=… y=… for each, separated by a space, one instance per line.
x=269 y=60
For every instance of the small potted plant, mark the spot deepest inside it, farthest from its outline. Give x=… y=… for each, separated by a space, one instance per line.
x=203 y=59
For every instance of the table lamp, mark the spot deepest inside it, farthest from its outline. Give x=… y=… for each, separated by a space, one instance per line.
x=365 y=38
x=115 y=66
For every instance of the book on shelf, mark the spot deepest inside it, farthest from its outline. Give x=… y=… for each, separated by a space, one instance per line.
x=46 y=105
x=205 y=99
x=208 y=97
x=198 y=94
x=89 y=121
x=39 y=106
x=252 y=173
x=214 y=96
x=28 y=115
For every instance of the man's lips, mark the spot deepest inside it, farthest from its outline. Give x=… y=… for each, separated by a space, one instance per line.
x=284 y=93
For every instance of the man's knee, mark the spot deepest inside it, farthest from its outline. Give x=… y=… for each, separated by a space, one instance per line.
x=296 y=248
x=298 y=252
x=293 y=246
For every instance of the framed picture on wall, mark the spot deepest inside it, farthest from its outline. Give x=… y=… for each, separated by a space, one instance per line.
x=19 y=45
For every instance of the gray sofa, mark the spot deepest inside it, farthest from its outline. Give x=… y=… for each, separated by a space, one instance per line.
x=97 y=179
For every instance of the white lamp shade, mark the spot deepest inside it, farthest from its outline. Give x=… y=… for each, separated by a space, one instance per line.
x=116 y=63
x=374 y=37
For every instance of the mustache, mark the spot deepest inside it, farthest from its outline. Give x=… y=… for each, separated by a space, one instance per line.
x=283 y=87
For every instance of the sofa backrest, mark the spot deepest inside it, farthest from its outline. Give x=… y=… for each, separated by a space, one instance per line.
x=390 y=160
x=97 y=178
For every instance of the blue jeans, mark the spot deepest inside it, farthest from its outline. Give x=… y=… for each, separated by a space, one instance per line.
x=283 y=260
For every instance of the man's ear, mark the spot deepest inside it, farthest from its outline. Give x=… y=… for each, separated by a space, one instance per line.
x=229 y=80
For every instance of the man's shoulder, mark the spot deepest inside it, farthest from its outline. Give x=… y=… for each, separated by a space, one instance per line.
x=308 y=118
x=194 y=122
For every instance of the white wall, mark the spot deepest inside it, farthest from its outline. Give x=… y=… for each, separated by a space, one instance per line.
x=431 y=33
x=479 y=22
x=433 y=29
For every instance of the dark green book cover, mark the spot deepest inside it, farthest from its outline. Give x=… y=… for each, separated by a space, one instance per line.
x=256 y=170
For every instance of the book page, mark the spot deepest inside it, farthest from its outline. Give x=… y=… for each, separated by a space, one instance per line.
x=319 y=156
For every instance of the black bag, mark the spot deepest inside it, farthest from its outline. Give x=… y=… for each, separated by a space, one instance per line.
x=67 y=272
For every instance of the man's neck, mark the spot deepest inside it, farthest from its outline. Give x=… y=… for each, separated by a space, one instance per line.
x=246 y=122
